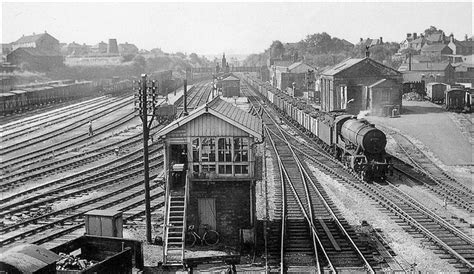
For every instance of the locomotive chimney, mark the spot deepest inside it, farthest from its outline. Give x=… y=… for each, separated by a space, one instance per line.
x=185 y=87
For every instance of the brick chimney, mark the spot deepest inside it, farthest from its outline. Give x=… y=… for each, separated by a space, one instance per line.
x=414 y=36
x=381 y=40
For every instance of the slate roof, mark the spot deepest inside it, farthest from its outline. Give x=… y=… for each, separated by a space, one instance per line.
x=350 y=62
x=32 y=38
x=231 y=78
x=342 y=66
x=424 y=67
x=433 y=47
x=225 y=111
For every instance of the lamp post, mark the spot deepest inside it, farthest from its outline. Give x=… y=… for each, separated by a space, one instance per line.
x=146 y=107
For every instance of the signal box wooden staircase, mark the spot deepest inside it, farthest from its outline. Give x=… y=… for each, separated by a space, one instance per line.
x=175 y=227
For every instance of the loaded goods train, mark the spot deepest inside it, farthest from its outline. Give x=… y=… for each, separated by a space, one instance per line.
x=355 y=142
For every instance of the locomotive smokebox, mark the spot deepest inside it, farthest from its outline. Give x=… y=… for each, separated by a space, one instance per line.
x=362 y=133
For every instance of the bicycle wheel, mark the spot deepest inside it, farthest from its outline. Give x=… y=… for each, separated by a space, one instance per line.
x=190 y=239
x=211 y=237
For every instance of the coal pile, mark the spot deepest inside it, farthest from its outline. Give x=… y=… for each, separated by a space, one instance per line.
x=71 y=262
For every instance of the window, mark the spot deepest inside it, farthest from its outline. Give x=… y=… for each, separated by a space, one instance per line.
x=241 y=150
x=208 y=168
x=208 y=147
x=225 y=149
x=225 y=169
x=195 y=150
x=241 y=169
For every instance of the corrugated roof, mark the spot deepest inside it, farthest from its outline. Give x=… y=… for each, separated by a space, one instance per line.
x=225 y=111
x=342 y=66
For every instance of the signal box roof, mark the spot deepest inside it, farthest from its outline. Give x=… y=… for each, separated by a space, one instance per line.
x=224 y=111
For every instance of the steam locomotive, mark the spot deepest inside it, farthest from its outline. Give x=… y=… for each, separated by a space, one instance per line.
x=358 y=144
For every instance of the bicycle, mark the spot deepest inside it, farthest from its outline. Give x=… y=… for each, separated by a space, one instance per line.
x=210 y=237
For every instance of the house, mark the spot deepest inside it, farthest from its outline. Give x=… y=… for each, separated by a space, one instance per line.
x=413 y=42
x=230 y=86
x=437 y=38
x=370 y=42
x=464 y=71
x=35 y=59
x=461 y=47
x=428 y=72
x=76 y=49
x=211 y=166
x=99 y=48
x=291 y=77
x=127 y=49
x=43 y=42
x=436 y=52
x=350 y=86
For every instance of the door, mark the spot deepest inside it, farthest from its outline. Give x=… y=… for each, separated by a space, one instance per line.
x=207 y=212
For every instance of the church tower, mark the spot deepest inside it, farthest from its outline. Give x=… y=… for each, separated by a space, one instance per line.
x=224 y=61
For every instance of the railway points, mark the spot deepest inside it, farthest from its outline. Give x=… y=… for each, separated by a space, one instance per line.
x=59 y=173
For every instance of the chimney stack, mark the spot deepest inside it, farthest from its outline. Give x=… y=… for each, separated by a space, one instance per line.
x=381 y=41
x=414 y=36
x=408 y=35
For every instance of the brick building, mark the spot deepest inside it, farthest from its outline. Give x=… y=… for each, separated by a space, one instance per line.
x=43 y=42
x=428 y=72
x=356 y=84
x=284 y=77
x=436 y=52
x=35 y=59
x=210 y=172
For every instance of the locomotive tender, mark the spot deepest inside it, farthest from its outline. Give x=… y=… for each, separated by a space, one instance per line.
x=355 y=142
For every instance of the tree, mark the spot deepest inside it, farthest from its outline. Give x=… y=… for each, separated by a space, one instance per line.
x=431 y=30
x=139 y=63
x=277 y=49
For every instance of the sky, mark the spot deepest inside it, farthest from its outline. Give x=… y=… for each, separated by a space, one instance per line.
x=234 y=28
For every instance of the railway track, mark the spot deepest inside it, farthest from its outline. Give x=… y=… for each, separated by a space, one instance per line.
x=431 y=175
x=114 y=196
x=38 y=111
x=57 y=132
x=311 y=231
x=54 y=118
x=414 y=215
x=44 y=225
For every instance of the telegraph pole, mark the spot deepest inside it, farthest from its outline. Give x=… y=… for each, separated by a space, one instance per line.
x=145 y=106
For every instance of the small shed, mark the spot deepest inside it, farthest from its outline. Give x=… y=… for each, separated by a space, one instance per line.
x=345 y=86
x=211 y=166
x=383 y=96
x=230 y=86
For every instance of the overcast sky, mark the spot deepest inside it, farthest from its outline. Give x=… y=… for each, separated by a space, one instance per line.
x=235 y=28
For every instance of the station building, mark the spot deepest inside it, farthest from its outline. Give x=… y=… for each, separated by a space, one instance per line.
x=361 y=84
x=211 y=167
